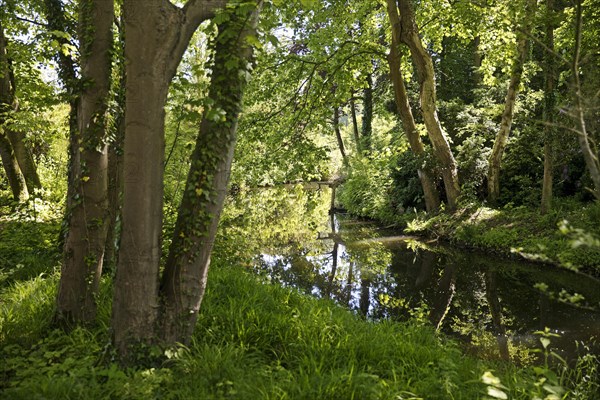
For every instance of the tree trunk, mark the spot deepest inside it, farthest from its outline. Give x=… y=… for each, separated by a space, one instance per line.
x=367 y=117
x=25 y=160
x=588 y=147
x=10 y=163
x=424 y=66
x=549 y=103
x=185 y=276
x=115 y=162
x=16 y=180
x=338 y=135
x=432 y=198
x=355 y=124
x=57 y=21
x=495 y=161
x=157 y=34
x=85 y=241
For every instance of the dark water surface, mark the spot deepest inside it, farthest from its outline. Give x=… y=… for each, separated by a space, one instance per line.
x=493 y=305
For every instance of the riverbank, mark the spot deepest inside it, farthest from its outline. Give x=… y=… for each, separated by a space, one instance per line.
x=568 y=236
x=253 y=341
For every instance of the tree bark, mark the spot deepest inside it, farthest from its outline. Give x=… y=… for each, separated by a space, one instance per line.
x=16 y=180
x=85 y=241
x=588 y=148
x=495 y=161
x=367 y=117
x=115 y=161
x=338 y=135
x=10 y=163
x=184 y=280
x=355 y=130
x=25 y=160
x=157 y=34
x=424 y=66
x=549 y=104
x=432 y=198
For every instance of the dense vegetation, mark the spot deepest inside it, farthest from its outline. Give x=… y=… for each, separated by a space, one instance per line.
x=123 y=124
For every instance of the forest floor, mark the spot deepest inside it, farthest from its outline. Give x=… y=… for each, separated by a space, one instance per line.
x=253 y=341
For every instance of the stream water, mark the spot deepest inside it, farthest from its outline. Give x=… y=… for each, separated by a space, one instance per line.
x=493 y=305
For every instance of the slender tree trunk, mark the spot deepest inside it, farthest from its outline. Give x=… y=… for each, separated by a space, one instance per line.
x=57 y=21
x=495 y=161
x=355 y=130
x=367 y=117
x=432 y=197
x=25 y=160
x=424 y=66
x=10 y=163
x=85 y=242
x=588 y=147
x=16 y=180
x=338 y=134
x=156 y=36
x=549 y=104
x=477 y=59
x=186 y=270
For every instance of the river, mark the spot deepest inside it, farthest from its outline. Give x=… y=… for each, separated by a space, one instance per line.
x=497 y=307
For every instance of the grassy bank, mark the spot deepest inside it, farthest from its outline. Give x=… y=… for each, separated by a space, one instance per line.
x=568 y=236
x=253 y=341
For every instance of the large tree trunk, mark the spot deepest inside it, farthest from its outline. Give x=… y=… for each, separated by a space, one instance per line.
x=157 y=34
x=432 y=198
x=10 y=163
x=338 y=135
x=549 y=104
x=185 y=276
x=495 y=161
x=115 y=161
x=588 y=147
x=85 y=242
x=424 y=66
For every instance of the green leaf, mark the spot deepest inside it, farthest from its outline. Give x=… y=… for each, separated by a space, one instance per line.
x=545 y=342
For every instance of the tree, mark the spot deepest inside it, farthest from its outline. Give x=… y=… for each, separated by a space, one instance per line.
x=156 y=35
x=10 y=163
x=13 y=141
x=549 y=105
x=86 y=236
x=184 y=280
x=586 y=142
x=509 y=103
x=432 y=200
x=425 y=72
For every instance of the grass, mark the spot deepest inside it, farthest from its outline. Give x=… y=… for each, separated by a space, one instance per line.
x=253 y=341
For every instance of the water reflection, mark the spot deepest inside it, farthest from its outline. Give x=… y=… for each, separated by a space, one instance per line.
x=488 y=302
